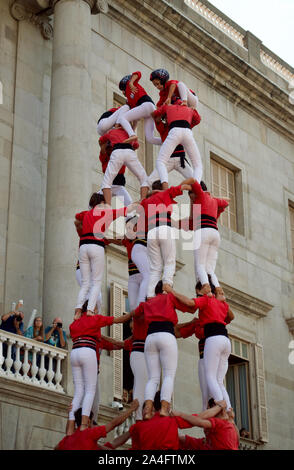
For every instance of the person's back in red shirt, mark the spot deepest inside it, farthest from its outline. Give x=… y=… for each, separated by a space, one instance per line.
x=222 y=435
x=83 y=440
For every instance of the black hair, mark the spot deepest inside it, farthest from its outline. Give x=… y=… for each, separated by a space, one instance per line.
x=158 y=288
x=211 y=403
x=95 y=199
x=198 y=285
x=203 y=185
x=78 y=417
x=156 y=185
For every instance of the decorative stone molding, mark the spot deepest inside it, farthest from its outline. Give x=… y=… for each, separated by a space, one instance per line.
x=32 y=11
x=37 y=12
x=246 y=303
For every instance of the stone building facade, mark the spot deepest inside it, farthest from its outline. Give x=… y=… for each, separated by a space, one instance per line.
x=60 y=64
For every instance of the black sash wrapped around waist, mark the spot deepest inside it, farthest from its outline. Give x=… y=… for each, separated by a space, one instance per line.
x=180 y=123
x=138 y=345
x=144 y=99
x=215 y=329
x=161 y=327
x=85 y=342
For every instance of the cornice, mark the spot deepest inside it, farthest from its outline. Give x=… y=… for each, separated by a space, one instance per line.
x=245 y=303
x=185 y=42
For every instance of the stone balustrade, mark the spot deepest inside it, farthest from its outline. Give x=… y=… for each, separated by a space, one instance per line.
x=31 y=362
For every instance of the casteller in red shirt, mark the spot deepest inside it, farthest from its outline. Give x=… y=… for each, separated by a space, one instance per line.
x=193 y=443
x=211 y=310
x=222 y=435
x=83 y=440
x=157 y=433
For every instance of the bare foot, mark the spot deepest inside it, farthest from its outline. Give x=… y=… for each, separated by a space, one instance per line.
x=90 y=313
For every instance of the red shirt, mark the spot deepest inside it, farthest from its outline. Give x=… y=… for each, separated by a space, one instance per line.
x=158 y=207
x=211 y=310
x=192 y=443
x=193 y=329
x=89 y=325
x=140 y=328
x=222 y=435
x=117 y=136
x=128 y=344
x=158 y=433
x=83 y=440
x=163 y=94
x=211 y=208
x=96 y=221
x=176 y=112
x=104 y=159
x=132 y=98
x=162 y=307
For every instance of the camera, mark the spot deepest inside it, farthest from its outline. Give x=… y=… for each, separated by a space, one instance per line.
x=59 y=325
x=18 y=318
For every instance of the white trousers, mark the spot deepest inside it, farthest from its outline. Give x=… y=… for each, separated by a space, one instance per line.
x=140 y=258
x=122 y=194
x=206 y=243
x=135 y=114
x=84 y=371
x=176 y=136
x=173 y=163
x=139 y=369
x=217 y=350
x=186 y=95
x=161 y=249
x=104 y=125
x=203 y=384
x=134 y=283
x=161 y=353
x=96 y=401
x=91 y=259
x=122 y=157
x=79 y=281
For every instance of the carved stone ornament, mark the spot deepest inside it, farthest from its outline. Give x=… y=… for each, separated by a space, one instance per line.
x=33 y=11
x=97 y=6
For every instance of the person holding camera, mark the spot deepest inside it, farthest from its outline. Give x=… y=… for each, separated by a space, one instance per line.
x=55 y=335
x=12 y=322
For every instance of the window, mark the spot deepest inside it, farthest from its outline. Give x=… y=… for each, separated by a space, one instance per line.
x=123 y=379
x=223 y=185
x=237 y=384
x=291 y=211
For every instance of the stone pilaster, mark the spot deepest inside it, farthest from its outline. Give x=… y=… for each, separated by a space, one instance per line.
x=69 y=163
x=35 y=12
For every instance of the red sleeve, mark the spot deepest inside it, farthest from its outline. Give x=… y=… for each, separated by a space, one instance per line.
x=103 y=320
x=109 y=445
x=174 y=191
x=200 y=302
x=80 y=215
x=177 y=304
x=135 y=145
x=104 y=344
x=188 y=330
x=128 y=344
x=139 y=76
x=103 y=139
x=196 y=188
x=160 y=111
x=139 y=310
x=97 y=432
x=196 y=118
x=182 y=423
x=222 y=204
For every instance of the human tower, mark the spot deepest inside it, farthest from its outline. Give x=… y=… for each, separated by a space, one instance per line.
x=151 y=248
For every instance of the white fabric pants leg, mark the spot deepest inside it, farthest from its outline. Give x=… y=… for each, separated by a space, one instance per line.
x=207 y=241
x=141 y=260
x=104 y=125
x=161 y=249
x=96 y=401
x=122 y=194
x=176 y=136
x=173 y=163
x=122 y=157
x=91 y=259
x=203 y=384
x=139 y=369
x=217 y=350
x=134 y=283
x=135 y=114
x=84 y=372
x=186 y=95
x=79 y=281
x=161 y=352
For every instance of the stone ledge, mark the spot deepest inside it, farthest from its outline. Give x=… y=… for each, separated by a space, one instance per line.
x=246 y=303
